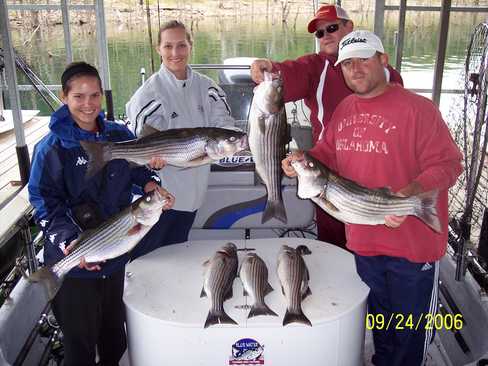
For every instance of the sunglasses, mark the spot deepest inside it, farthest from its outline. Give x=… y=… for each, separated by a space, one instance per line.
x=329 y=29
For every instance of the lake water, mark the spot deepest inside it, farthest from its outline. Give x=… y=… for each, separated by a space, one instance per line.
x=218 y=38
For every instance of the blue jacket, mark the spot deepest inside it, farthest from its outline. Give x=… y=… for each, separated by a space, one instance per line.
x=57 y=187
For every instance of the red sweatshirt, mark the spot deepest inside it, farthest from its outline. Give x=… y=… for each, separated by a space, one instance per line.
x=314 y=78
x=389 y=141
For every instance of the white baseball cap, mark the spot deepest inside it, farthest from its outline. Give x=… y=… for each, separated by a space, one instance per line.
x=359 y=44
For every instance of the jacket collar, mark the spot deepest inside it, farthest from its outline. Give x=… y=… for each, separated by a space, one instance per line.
x=171 y=78
x=65 y=128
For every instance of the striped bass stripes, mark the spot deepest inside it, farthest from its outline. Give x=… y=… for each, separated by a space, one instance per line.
x=113 y=238
x=294 y=278
x=351 y=203
x=254 y=277
x=182 y=147
x=104 y=237
x=220 y=272
x=267 y=139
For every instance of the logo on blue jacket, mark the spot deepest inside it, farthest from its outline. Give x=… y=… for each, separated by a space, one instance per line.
x=247 y=351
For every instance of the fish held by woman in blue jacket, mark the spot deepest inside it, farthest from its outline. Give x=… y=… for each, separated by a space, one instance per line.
x=181 y=147
x=114 y=237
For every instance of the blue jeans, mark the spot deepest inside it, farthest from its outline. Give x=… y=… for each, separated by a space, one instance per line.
x=172 y=227
x=402 y=294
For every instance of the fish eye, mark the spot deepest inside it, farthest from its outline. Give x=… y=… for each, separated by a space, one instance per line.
x=310 y=164
x=148 y=199
x=232 y=138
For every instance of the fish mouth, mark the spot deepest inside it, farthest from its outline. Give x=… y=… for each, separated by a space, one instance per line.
x=244 y=142
x=299 y=165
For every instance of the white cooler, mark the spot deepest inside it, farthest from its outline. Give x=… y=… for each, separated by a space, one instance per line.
x=165 y=314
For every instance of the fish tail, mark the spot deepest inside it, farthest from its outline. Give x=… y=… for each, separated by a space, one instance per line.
x=296 y=318
x=261 y=309
x=49 y=279
x=218 y=318
x=274 y=209
x=427 y=212
x=98 y=155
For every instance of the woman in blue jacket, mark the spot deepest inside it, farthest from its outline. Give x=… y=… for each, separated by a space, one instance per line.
x=89 y=305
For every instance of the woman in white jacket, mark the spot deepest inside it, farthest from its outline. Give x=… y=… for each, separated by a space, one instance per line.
x=177 y=97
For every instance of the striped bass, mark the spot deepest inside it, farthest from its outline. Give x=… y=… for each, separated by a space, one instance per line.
x=114 y=237
x=219 y=275
x=294 y=277
x=267 y=138
x=351 y=203
x=254 y=277
x=181 y=147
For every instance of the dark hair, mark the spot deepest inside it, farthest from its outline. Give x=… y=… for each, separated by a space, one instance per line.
x=75 y=70
x=172 y=24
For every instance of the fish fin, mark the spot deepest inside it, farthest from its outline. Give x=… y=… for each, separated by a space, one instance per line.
x=135 y=229
x=201 y=160
x=244 y=292
x=98 y=156
x=427 y=212
x=229 y=294
x=282 y=290
x=218 y=318
x=258 y=179
x=49 y=280
x=261 y=309
x=203 y=293
x=307 y=293
x=386 y=191
x=262 y=124
x=303 y=250
x=296 y=318
x=147 y=131
x=268 y=289
x=274 y=209
x=329 y=205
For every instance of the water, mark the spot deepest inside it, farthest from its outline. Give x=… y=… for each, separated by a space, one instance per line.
x=218 y=38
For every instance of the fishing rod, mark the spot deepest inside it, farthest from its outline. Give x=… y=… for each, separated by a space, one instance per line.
x=46 y=94
x=475 y=136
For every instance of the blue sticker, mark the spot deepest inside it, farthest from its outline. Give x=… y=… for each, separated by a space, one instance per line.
x=247 y=351
x=243 y=157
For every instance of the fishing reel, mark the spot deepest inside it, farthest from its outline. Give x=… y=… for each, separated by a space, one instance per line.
x=48 y=327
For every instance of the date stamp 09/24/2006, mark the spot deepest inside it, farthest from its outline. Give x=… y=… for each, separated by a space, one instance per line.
x=398 y=321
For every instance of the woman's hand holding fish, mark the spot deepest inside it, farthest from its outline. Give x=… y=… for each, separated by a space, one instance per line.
x=286 y=163
x=170 y=199
x=258 y=67
x=412 y=189
x=83 y=264
x=157 y=163
x=89 y=266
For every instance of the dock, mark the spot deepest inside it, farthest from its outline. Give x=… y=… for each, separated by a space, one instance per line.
x=35 y=127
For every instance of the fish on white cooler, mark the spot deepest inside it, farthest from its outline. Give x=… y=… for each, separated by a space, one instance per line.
x=220 y=272
x=254 y=277
x=294 y=278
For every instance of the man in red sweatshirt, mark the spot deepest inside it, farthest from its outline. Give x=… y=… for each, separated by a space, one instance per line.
x=320 y=83
x=386 y=136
